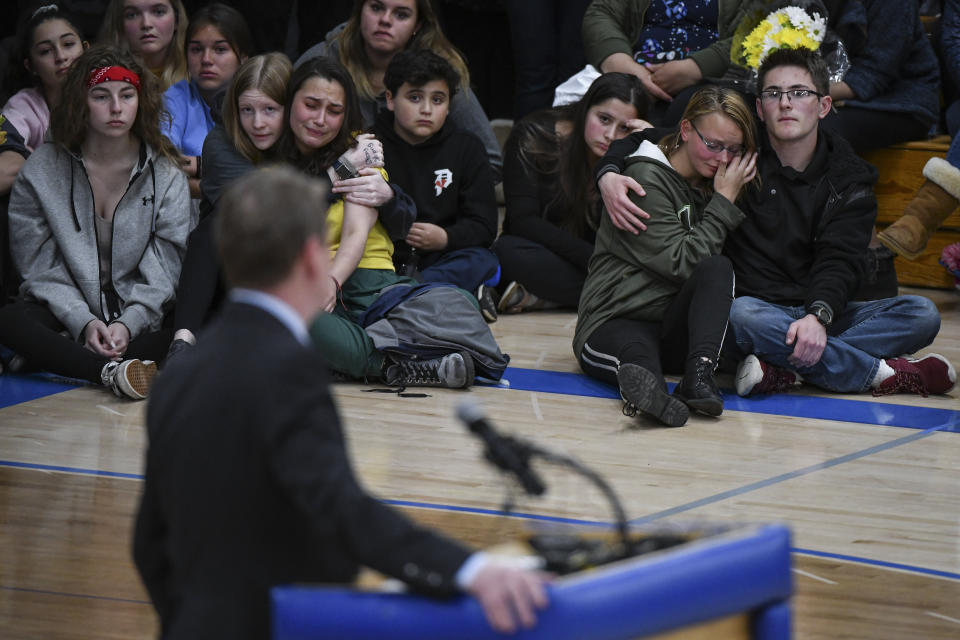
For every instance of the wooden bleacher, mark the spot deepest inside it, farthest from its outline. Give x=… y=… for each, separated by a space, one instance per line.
x=901 y=174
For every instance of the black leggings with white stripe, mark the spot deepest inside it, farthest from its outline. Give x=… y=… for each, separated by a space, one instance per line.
x=693 y=326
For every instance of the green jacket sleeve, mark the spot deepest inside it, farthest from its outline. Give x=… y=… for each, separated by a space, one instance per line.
x=675 y=241
x=611 y=26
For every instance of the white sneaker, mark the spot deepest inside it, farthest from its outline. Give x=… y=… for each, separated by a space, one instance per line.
x=756 y=376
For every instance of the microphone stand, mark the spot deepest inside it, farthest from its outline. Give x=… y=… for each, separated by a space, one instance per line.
x=527 y=450
x=620 y=517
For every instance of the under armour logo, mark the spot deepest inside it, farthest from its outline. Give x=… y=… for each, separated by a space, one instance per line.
x=147 y=200
x=444 y=180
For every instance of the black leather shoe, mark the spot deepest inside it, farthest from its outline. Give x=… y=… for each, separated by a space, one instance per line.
x=698 y=390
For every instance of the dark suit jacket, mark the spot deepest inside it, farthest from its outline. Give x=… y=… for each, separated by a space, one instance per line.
x=248 y=486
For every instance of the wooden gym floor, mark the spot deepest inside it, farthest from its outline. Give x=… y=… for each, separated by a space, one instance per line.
x=869 y=486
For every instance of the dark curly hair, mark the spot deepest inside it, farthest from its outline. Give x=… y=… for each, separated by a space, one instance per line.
x=418 y=67
x=73 y=108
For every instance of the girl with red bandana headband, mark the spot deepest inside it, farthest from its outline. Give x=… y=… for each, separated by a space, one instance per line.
x=99 y=219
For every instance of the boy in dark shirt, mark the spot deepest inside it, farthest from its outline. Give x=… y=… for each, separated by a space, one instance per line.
x=446 y=172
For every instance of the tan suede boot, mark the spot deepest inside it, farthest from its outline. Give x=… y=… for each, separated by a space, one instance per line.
x=932 y=204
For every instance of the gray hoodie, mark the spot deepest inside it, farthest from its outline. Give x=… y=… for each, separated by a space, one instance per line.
x=54 y=245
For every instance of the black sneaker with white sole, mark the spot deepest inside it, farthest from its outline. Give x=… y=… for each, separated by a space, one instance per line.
x=454 y=371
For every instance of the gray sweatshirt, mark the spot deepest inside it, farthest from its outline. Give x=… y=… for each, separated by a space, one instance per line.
x=54 y=243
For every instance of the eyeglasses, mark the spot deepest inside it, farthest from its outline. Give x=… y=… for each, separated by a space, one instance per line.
x=773 y=95
x=716 y=147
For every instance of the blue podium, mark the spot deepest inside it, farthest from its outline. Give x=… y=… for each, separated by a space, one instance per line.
x=738 y=571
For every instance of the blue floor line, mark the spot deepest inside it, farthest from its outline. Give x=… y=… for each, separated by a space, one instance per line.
x=77 y=470
x=877 y=563
x=790 y=475
x=784 y=404
x=45 y=592
x=806 y=552
x=520 y=515
x=15 y=389
x=496 y=512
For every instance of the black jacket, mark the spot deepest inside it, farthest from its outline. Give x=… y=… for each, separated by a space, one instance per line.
x=248 y=485
x=788 y=260
x=533 y=210
x=465 y=205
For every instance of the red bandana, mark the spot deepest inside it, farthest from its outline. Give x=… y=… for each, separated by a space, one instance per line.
x=107 y=74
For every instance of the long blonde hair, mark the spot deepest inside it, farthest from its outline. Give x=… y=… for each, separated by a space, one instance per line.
x=175 y=62
x=268 y=74
x=353 y=56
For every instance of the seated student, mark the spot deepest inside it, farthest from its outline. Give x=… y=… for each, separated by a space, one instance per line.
x=890 y=93
x=670 y=46
x=218 y=41
x=552 y=206
x=252 y=113
x=798 y=257
x=323 y=110
x=661 y=298
x=378 y=30
x=47 y=42
x=153 y=30
x=444 y=169
x=98 y=226
x=248 y=484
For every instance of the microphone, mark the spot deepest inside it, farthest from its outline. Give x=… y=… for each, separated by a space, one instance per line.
x=506 y=453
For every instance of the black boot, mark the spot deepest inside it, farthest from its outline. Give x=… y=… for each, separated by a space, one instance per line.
x=699 y=390
x=641 y=392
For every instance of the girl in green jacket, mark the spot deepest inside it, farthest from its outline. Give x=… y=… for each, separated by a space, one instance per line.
x=659 y=299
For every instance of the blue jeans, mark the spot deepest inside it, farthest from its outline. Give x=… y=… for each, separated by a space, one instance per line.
x=466 y=268
x=861 y=335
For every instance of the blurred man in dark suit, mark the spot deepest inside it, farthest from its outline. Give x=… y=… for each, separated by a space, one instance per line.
x=248 y=484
